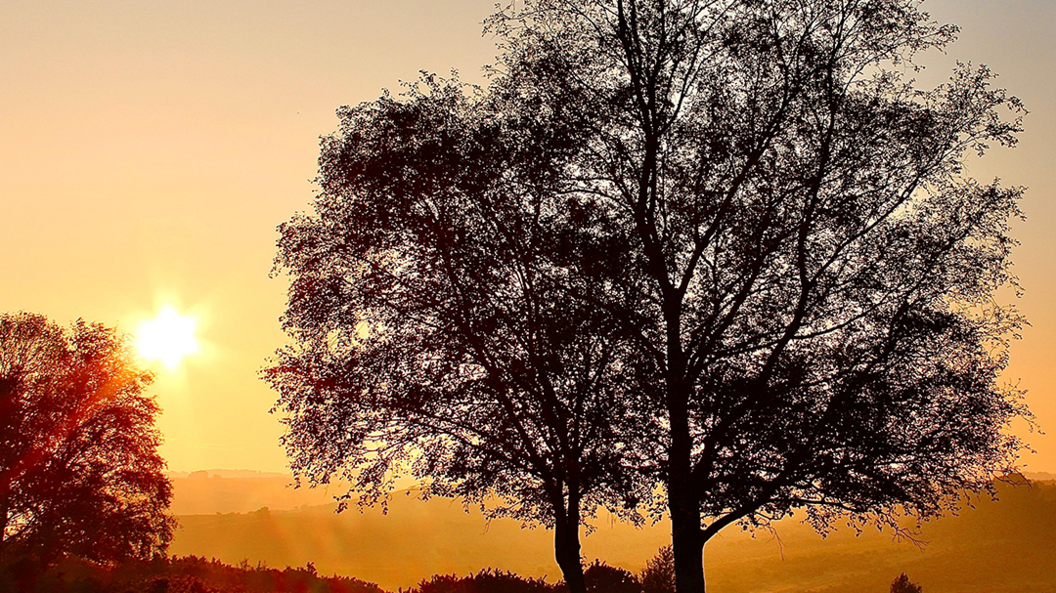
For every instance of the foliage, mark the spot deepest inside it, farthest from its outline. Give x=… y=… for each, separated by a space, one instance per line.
x=725 y=246
x=815 y=269
x=485 y=581
x=599 y=578
x=190 y=574
x=80 y=473
x=902 y=584
x=602 y=578
x=658 y=576
x=431 y=327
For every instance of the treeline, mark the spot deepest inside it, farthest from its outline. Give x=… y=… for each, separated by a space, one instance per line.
x=193 y=574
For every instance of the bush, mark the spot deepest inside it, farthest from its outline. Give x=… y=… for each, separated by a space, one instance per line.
x=485 y=581
x=602 y=578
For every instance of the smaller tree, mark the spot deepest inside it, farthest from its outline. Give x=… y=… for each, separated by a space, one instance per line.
x=80 y=474
x=658 y=576
x=902 y=584
x=432 y=331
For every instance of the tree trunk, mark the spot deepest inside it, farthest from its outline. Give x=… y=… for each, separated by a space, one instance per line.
x=5 y=508
x=687 y=539
x=566 y=551
x=688 y=549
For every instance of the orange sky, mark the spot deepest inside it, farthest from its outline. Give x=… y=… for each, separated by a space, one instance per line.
x=149 y=149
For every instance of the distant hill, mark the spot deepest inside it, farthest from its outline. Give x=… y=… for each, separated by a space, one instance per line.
x=1040 y=476
x=1003 y=546
x=213 y=491
x=228 y=473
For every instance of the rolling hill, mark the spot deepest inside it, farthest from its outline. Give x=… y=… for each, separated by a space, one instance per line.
x=997 y=546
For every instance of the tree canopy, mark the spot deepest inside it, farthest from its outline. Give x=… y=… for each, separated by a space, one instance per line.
x=80 y=474
x=432 y=329
x=750 y=202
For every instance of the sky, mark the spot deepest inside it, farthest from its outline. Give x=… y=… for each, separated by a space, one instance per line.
x=148 y=150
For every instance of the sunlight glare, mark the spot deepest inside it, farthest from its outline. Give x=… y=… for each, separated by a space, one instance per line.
x=169 y=337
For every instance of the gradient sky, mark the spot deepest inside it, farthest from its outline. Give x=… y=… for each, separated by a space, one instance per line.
x=149 y=149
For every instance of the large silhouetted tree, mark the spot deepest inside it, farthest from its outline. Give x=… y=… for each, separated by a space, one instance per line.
x=820 y=269
x=79 y=469
x=749 y=201
x=433 y=332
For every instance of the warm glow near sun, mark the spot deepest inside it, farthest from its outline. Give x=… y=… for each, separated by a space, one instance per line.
x=169 y=337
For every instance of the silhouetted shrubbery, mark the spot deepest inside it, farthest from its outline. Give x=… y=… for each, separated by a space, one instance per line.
x=485 y=581
x=602 y=578
x=599 y=577
x=189 y=574
x=192 y=574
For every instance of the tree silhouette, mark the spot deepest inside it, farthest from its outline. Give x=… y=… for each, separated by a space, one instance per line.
x=902 y=584
x=748 y=203
x=79 y=469
x=658 y=576
x=432 y=329
x=817 y=267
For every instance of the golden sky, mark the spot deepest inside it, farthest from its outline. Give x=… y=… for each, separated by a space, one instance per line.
x=149 y=149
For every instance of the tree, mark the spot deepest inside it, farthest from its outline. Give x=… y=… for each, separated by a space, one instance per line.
x=749 y=201
x=432 y=330
x=902 y=584
x=80 y=474
x=818 y=269
x=658 y=576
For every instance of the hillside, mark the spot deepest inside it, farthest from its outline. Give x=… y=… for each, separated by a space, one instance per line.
x=208 y=492
x=1007 y=545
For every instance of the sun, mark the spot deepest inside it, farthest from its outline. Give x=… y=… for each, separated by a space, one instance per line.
x=169 y=337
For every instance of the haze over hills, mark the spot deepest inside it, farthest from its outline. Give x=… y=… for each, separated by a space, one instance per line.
x=212 y=491
x=1007 y=545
